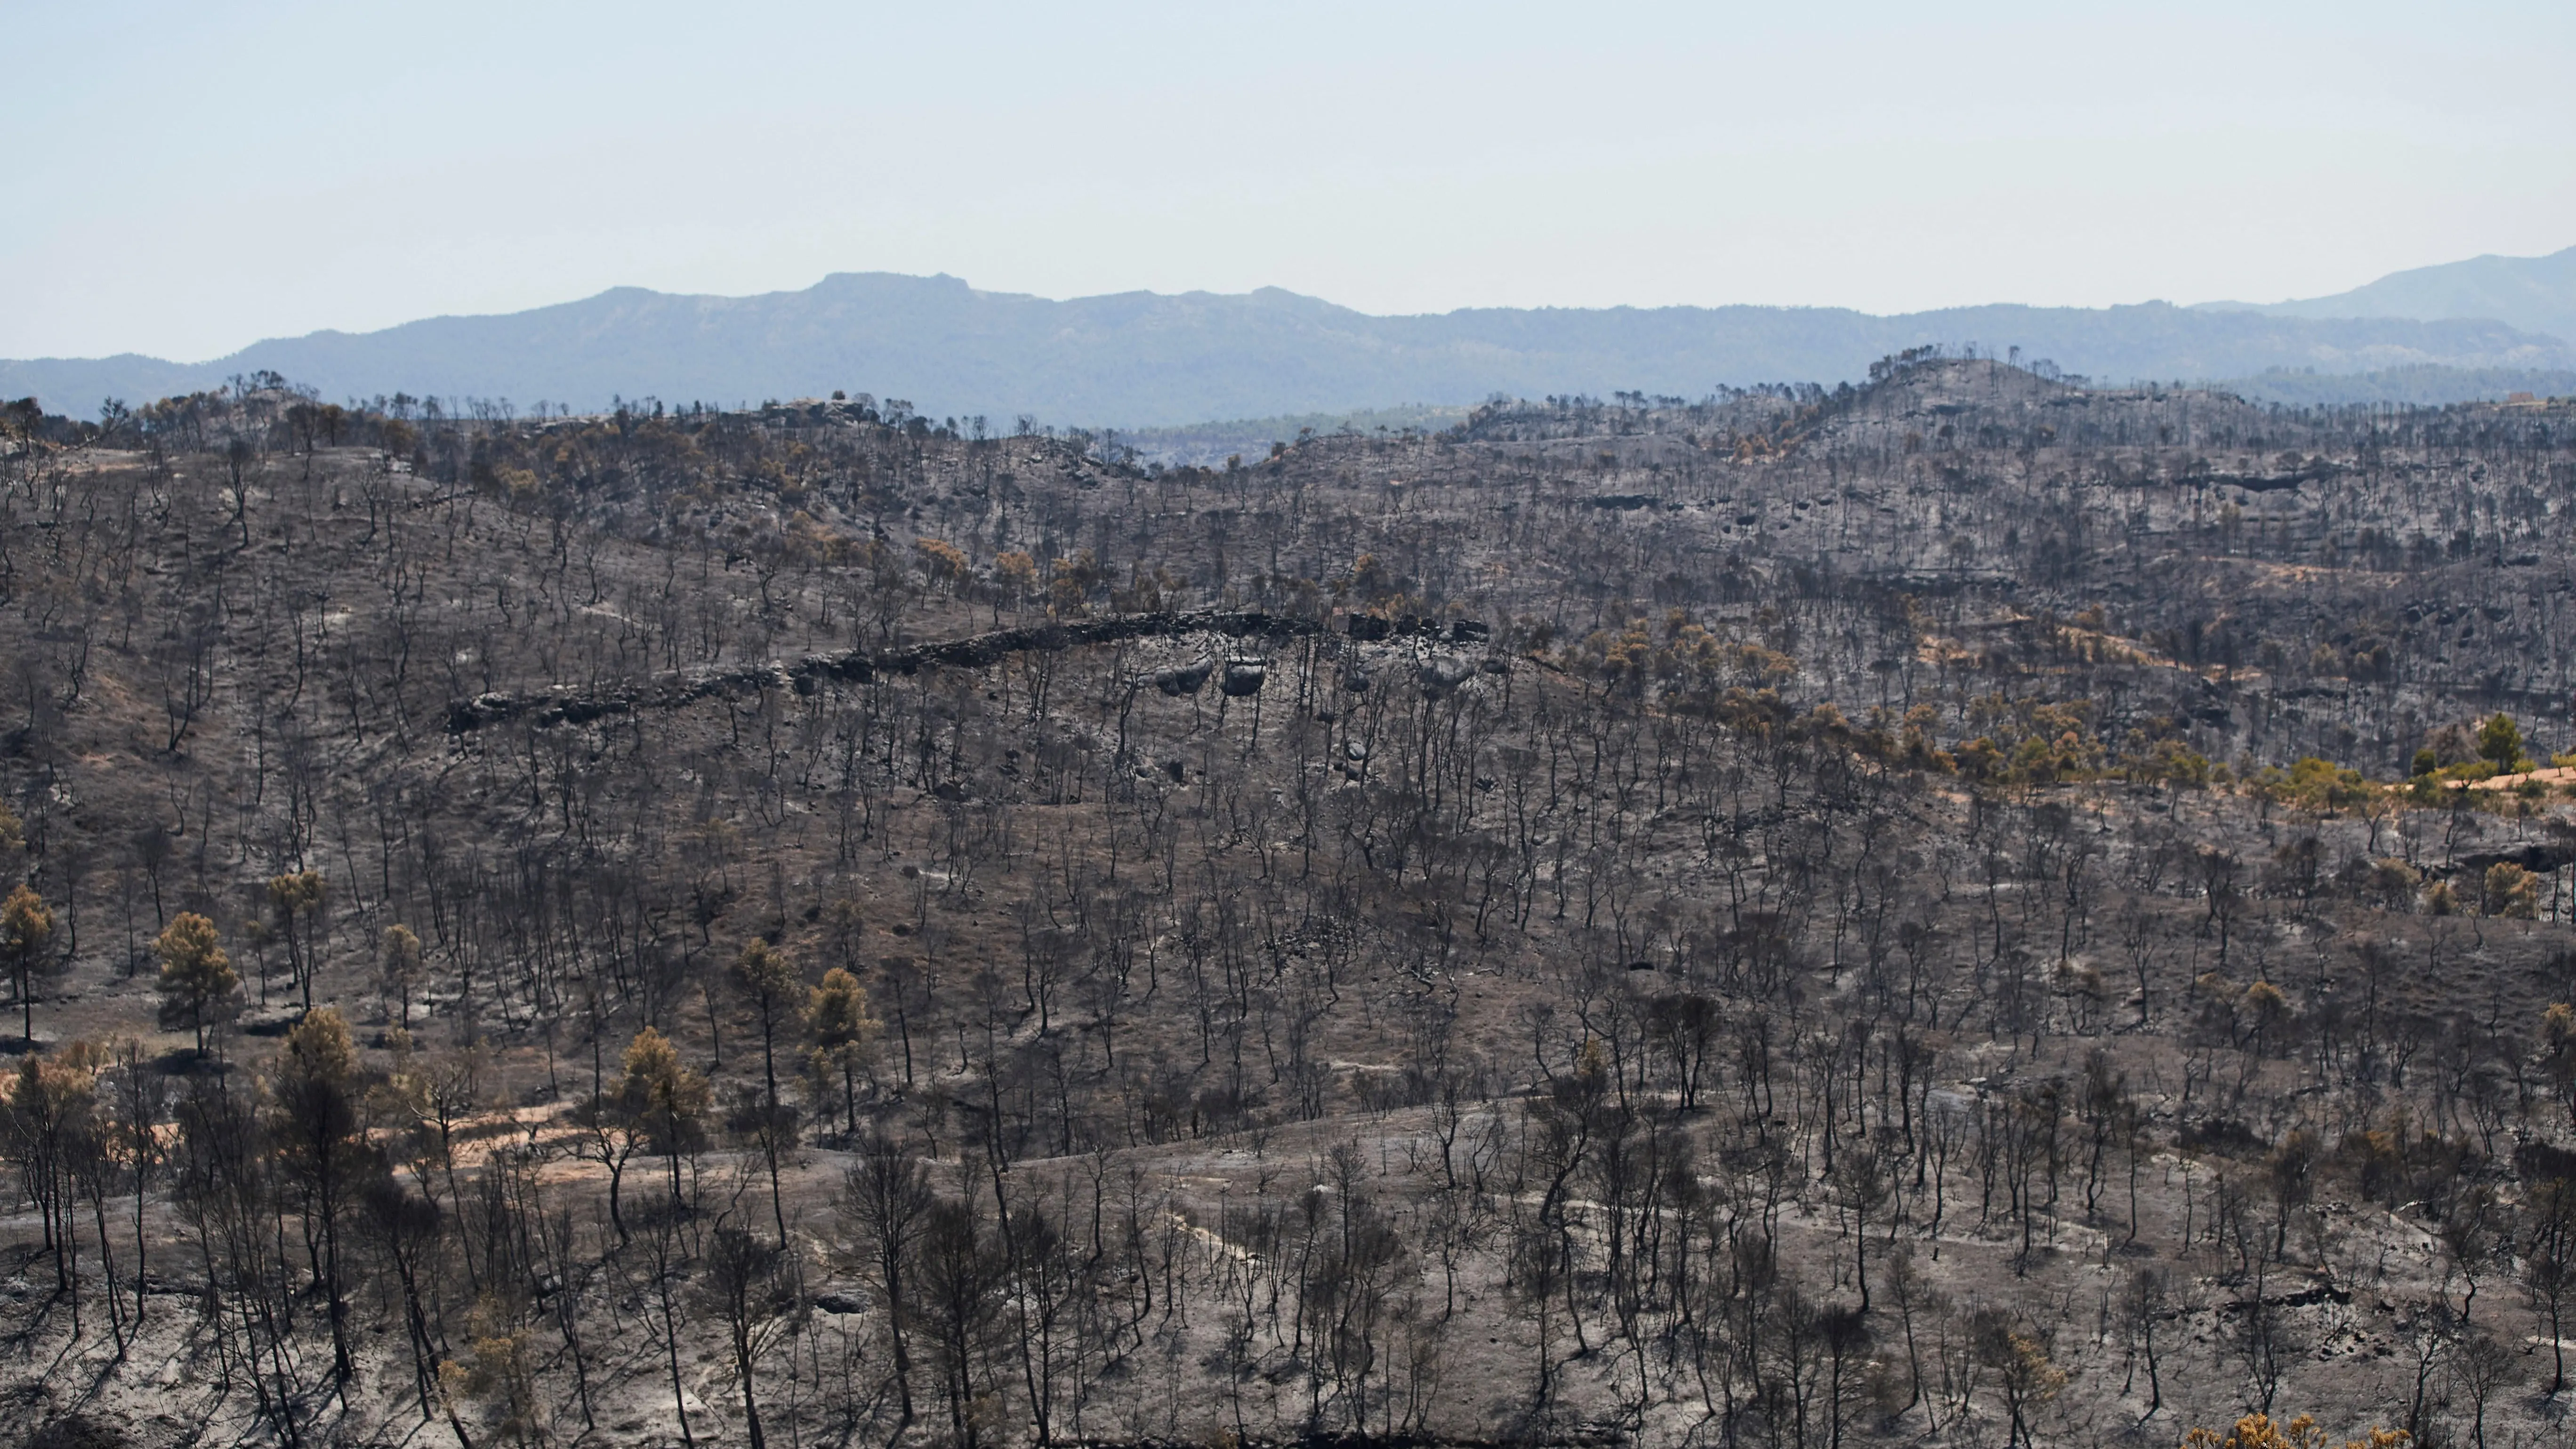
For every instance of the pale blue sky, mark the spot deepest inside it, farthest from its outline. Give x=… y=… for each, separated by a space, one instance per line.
x=185 y=179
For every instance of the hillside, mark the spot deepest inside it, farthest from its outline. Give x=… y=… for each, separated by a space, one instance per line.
x=1957 y=909
x=1142 y=359
x=2405 y=386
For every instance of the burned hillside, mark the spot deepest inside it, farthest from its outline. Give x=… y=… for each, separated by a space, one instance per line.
x=1967 y=908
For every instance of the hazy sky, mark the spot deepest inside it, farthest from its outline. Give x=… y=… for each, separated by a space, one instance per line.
x=184 y=179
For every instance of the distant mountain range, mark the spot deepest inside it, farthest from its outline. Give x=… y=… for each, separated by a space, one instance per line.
x=2534 y=294
x=1142 y=359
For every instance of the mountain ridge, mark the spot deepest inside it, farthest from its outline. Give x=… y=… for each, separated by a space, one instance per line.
x=1144 y=358
x=2533 y=294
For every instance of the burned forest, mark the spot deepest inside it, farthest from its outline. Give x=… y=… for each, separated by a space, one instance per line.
x=1966 y=909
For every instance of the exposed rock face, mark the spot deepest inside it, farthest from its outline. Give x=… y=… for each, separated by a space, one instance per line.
x=861 y=665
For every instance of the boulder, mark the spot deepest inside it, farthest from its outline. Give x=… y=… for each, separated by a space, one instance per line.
x=1440 y=674
x=1183 y=679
